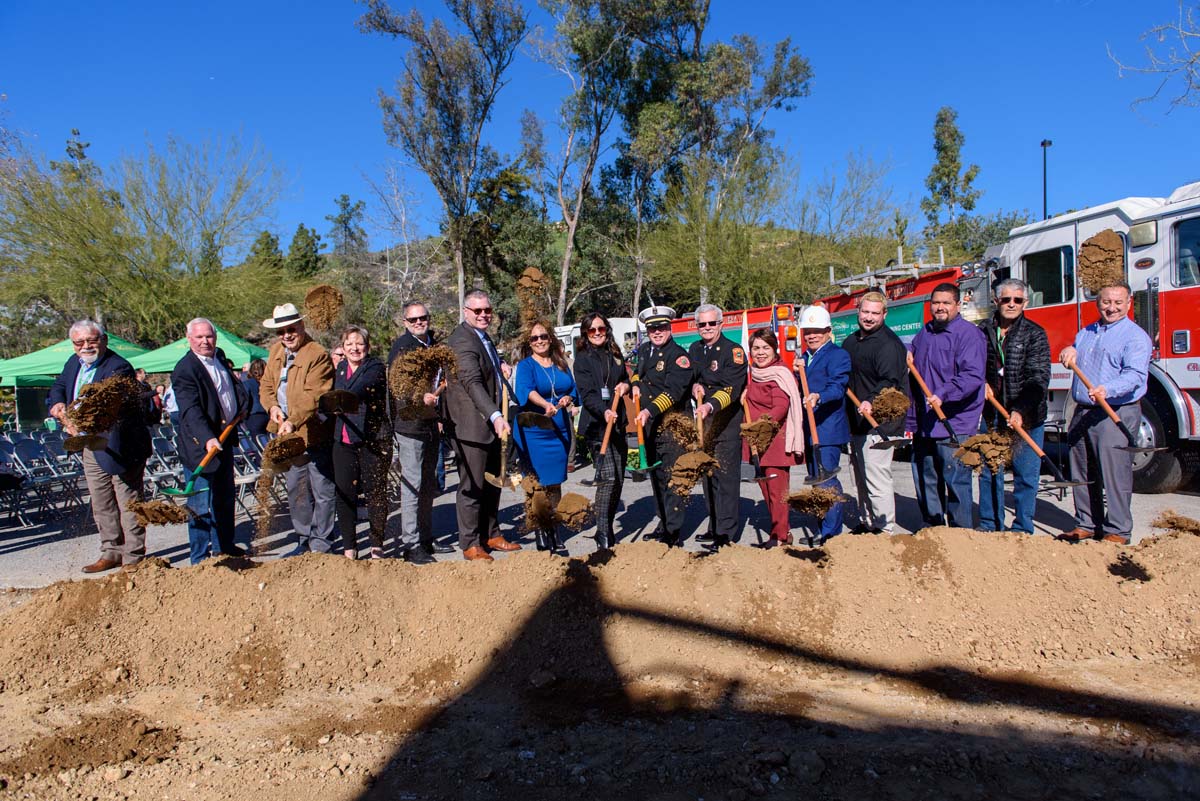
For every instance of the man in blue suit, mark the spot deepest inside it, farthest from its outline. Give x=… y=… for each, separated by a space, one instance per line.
x=209 y=400
x=827 y=370
x=113 y=474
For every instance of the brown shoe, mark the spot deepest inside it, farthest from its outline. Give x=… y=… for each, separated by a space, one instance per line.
x=1115 y=538
x=501 y=544
x=100 y=565
x=1076 y=534
x=475 y=553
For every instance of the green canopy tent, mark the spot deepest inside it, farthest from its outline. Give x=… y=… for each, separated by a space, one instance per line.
x=165 y=358
x=40 y=368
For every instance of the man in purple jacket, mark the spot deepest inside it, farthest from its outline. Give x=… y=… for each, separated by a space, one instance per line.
x=951 y=355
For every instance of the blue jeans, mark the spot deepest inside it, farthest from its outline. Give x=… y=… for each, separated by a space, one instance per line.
x=829 y=457
x=943 y=483
x=211 y=528
x=1027 y=467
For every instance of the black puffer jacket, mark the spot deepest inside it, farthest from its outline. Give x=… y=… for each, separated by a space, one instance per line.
x=1020 y=377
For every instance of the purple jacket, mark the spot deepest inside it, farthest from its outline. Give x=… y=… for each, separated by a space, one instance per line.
x=953 y=362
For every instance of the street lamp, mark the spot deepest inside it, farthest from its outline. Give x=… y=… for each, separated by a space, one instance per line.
x=1046 y=143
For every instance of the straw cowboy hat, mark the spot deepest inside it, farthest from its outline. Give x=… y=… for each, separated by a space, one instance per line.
x=283 y=316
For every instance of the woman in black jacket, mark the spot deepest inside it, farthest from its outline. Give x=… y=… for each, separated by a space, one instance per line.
x=362 y=442
x=600 y=376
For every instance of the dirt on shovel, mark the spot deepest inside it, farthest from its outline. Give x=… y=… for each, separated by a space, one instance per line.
x=890 y=404
x=760 y=434
x=993 y=450
x=815 y=501
x=158 y=513
x=689 y=469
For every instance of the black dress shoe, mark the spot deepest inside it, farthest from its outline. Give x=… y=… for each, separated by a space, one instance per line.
x=418 y=556
x=706 y=537
x=539 y=540
x=432 y=548
x=234 y=550
x=717 y=542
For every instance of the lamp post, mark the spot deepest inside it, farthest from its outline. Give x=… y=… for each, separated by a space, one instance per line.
x=1046 y=143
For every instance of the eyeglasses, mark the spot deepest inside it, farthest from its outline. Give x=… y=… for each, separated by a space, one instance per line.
x=657 y=327
x=291 y=329
x=600 y=329
x=424 y=318
x=79 y=343
x=1006 y=301
x=538 y=337
x=481 y=310
x=708 y=324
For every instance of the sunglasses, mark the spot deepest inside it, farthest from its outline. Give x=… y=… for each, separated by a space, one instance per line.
x=291 y=329
x=1006 y=301
x=539 y=337
x=598 y=330
x=481 y=310
x=709 y=324
x=79 y=343
x=424 y=318
x=654 y=329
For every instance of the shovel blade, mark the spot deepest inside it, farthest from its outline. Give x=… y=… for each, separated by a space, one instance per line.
x=186 y=492
x=819 y=478
x=1135 y=449
x=886 y=444
x=1063 y=484
x=493 y=479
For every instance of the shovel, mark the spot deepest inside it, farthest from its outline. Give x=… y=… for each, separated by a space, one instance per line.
x=1059 y=482
x=189 y=488
x=642 y=467
x=937 y=407
x=535 y=420
x=609 y=427
x=78 y=442
x=822 y=475
x=1132 y=447
x=491 y=478
x=883 y=443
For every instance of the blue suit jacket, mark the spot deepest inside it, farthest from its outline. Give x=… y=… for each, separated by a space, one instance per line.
x=200 y=417
x=828 y=374
x=128 y=445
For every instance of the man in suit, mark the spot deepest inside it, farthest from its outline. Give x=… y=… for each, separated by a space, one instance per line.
x=299 y=371
x=474 y=424
x=209 y=400
x=827 y=371
x=113 y=474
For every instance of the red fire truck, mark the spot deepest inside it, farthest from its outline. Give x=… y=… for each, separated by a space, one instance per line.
x=737 y=325
x=1162 y=245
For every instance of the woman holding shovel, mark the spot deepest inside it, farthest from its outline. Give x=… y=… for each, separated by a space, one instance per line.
x=546 y=391
x=772 y=391
x=602 y=383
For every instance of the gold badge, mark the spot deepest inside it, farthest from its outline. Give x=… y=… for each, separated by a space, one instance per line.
x=659 y=366
x=713 y=366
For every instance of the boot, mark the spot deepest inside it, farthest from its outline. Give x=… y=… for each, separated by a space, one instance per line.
x=539 y=538
x=551 y=540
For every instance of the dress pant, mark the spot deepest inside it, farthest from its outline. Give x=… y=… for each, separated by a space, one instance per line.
x=943 y=483
x=775 y=489
x=873 y=481
x=722 y=490
x=1027 y=469
x=477 y=502
x=829 y=457
x=1094 y=441
x=418 y=455
x=610 y=477
x=121 y=538
x=361 y=466
x=211 y=529
x=662 y=446
x=312 y=496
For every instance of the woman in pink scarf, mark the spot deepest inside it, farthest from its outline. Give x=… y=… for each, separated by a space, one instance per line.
x=772 y=391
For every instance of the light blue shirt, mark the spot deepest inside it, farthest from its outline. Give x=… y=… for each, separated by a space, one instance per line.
x=1116 y=356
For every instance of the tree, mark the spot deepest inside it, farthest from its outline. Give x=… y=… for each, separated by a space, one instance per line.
x=210 y=255
x=265 y=253
x=950 y=187
x=304 y=253
x=445 y=97
x=1172 y=56
x=969 y=235
x=348 y=236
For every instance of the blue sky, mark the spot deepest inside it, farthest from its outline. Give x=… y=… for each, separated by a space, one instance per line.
x=300 y=78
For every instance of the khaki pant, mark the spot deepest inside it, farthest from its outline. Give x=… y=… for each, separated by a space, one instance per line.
x=121 y=538
x=873 y=480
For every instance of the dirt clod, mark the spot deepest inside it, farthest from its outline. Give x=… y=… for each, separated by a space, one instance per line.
x=322 y=306
x=158 y=513
x=282 y=450
x=815 y=501
x=574 y=511
x=533 y=297
x=760 y=433
x=101 y=404
x=1101 y=261
x=689 y=469
x=993 y=449
x=1173 y=521
x=681 y=428
x=890 y=404
x=539 y=508
x=413 y=374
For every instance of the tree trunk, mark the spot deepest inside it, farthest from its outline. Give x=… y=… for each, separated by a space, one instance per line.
x=639 y=278
x=462 y=276
x=572 y=226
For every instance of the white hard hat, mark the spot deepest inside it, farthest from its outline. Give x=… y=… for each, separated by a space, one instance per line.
x=815 y=317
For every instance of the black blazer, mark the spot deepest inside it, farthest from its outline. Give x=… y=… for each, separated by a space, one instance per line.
x=596 y=368
x=128 y=445
x=471 y=396
x=200 y=417
x=371 y=423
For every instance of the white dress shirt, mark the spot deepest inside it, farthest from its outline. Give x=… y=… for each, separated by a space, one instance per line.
x=223 y=382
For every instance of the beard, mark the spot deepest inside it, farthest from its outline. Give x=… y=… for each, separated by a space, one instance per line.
x=89 y=358
x=939 y=325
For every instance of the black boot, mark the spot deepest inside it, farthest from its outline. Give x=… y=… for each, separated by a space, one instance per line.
x=603 y=541
x=539 y=537
x=551 y=540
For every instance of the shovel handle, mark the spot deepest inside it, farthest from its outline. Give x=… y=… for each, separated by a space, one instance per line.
x=699 y=427
x=637 y=418
x=937 y=407
x=609 y=427
x=867 y=415
x=812 y=417
x=746 y=415
x=504 y=409
x=1112 y=414
x=987 y=391
x=208 y=457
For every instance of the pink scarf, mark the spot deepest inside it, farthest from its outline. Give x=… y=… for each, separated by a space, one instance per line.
x=782 y=377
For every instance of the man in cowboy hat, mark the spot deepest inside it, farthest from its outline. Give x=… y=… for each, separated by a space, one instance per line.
x=298 y=372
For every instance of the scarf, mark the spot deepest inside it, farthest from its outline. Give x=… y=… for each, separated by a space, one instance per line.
x=782 y=377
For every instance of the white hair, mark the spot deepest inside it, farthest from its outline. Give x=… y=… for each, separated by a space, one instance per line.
x=705 y=308
x=86 y=325
x=1012 y=283
x=197 y=321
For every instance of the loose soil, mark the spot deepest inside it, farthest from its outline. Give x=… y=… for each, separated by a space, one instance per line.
x=951 y=664
x=760 y=434
x=993 y=449
x=413 y=374
x=889 y=404
x=533 y=298
x=280 y=451
x=688 y=470
x=158 y=513
x=1173 y=521
x=815 y=501
x=101 y=404
x=323 y=306
x=681 y=428
x=539 y=509
x=574 y=511
x=1101 y=261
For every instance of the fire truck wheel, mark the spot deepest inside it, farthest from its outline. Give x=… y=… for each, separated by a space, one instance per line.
x=1165 y=471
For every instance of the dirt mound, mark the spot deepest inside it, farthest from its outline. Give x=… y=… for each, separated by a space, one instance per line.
x=689 y=469
x=993 y=449
x=323 y=306
x=574 y=511
x=533 y=297
x=1101 y=261
x=951 y=664
x=681 y=428
x=889 y=404
x=102 y=403
x=815 y=501
x=1173 y=521
x=760 y=433
x=158 y=513
x=539 y=509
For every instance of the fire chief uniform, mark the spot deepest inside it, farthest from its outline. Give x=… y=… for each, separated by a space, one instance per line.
x=664 y=376
x=721 y=370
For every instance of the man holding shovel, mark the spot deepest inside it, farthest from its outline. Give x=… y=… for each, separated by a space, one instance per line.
x=877 y=362
x=949 y=354
x=209 y=400
x=1114 y=353
x=1018 y=371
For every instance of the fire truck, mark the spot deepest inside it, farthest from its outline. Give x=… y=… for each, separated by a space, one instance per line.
x=1162 y=244
x=737 y=325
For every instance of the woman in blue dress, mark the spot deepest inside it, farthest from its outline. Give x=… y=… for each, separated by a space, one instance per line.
x=545 y=386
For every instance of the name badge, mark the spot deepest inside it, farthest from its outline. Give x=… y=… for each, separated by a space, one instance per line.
x=605 y=394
